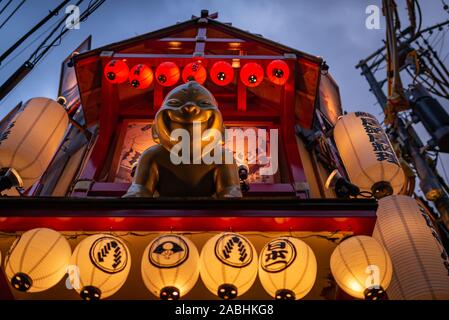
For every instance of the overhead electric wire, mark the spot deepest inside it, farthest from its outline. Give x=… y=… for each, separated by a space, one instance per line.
x=50 y=15
x=6 y=6
x=60 y=23
x=12 y=13
x=44 y=49
x=22 y=50
x=418 y=7
x=89 y=10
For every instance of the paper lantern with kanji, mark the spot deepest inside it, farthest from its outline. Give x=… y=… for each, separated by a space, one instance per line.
x=116 y=71
x=104 y=262
x=278 y=72
x=421 y=264
x=228 y=265
x=194 y=71
x=368 y=155
x=141 y=76
x=287 y=268
x=37 y=260
x=222 y=73
x=170 y=266
x=362 y=267
x=32 y=137
x=167 y=74
x=252 y=74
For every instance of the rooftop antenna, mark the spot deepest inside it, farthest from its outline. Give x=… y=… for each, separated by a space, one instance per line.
x=205 y=14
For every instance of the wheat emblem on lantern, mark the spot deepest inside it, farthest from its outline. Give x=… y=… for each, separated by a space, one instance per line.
x=228 y=265
x=234 y=251
x=109 y=255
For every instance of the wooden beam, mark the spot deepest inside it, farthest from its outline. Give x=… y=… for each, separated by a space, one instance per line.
x=158 y=96
x=241 y=96
x=189 y=56
x=297 y=174
x=200 y=45
x=109 y=112
x=355 y=215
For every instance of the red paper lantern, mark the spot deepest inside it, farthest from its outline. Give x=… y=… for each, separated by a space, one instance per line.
x=141 y=76
x=278 y=72
x=222 y=73
x=167 y=74
x=194 y=71
x=116 y=71
x=252 y=74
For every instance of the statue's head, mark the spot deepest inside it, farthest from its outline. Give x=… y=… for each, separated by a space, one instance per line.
x=185 y=105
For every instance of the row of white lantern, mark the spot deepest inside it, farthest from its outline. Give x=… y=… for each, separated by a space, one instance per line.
x=229 y=264
x=170 y=267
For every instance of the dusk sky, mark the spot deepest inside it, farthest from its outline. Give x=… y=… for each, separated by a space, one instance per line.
x=334 y=30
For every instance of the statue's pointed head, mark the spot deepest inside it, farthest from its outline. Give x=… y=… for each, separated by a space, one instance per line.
x=183 y=106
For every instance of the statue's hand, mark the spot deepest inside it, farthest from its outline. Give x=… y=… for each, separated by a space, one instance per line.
x=137 y=191
x=231 y=192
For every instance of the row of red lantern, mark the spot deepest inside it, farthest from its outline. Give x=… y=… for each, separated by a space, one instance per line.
x=221 y=73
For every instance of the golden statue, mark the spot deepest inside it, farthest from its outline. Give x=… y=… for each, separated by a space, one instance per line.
x=188 y=107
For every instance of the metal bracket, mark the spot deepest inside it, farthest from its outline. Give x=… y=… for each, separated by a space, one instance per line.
x=106 y=54
x=83 y=185
x=290 y=56
x=302 y=187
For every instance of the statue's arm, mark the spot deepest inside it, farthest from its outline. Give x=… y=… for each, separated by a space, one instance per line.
x=146 y=177
x=227 y=181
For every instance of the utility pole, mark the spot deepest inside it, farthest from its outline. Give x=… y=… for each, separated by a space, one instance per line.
x=401 y=132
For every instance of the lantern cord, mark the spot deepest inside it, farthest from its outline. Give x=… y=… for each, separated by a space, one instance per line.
x=335 y=236
x=365 y=194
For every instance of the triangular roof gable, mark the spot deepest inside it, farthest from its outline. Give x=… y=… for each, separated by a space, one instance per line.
x=89 y=66
x=193 y=23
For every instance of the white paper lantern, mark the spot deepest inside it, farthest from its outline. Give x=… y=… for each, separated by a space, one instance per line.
x=287 y=268
x=37 y=260
x=421 y=265
x=104 y=262
x=228 y=265
x=31 y=139
x=170 y=266
x=367 y=154
x=362 y=267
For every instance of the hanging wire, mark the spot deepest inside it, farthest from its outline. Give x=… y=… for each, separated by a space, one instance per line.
x=4 y=65
x=60 y=24
x=418 y=7
x=6 y=6
x=445 y=6
x=12 y=13
x=43 y=49
x=444 y=171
